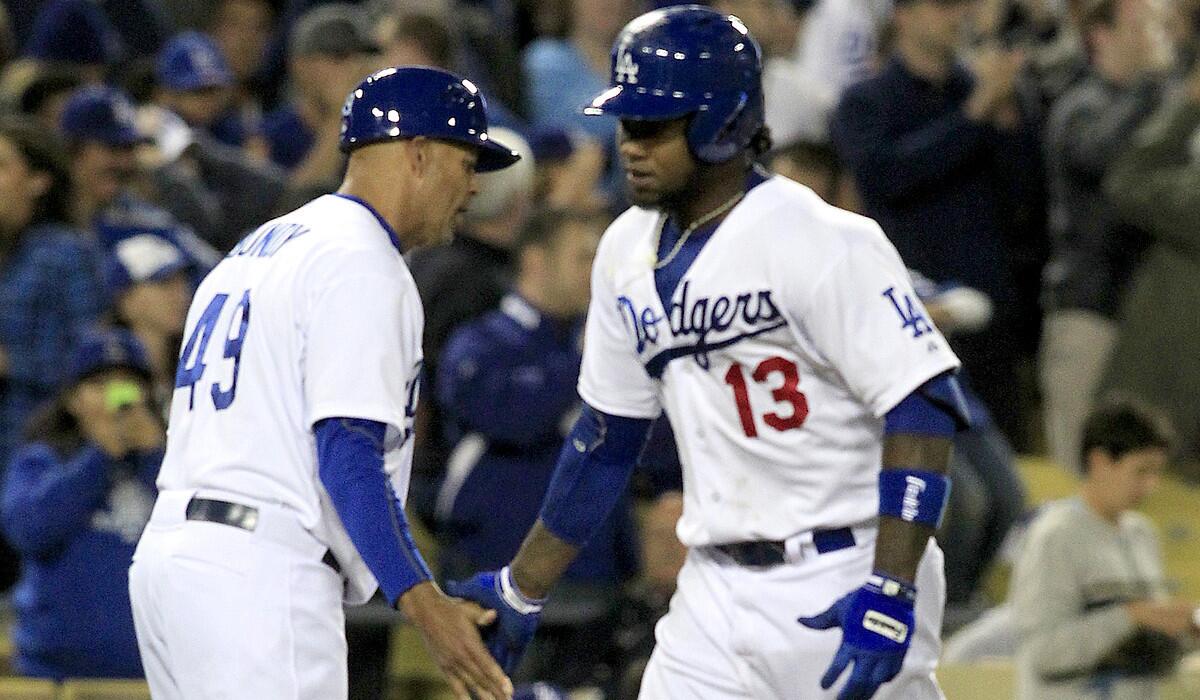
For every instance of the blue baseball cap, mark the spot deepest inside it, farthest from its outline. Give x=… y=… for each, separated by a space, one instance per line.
x=103 y=114
x=551 y=144
x=73 y=31
x=100 y=349
x=146 y=256
x=192 y=61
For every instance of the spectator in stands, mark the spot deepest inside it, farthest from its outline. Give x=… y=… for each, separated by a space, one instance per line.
x=193 y=80
x=568 y=168
x=150 y=287
x=814 y=165
x=1156 y=183
x=101 y=136
x=840 y=40
x=331 y=48
x=1093 y=251
x=563 y=74
x=506 y=383
x=1089 y=595
x=946 y=160
x=46 y=93
x=415 y=38
x=75 y=33
x=49 y=274
x=798 y=106
x=241 y=28
x=75 y=500
x=460 y=282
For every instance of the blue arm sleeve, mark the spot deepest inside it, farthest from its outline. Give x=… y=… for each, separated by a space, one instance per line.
x=592 y=472
x=47 y=501
x=937 y=408
x=350 y=463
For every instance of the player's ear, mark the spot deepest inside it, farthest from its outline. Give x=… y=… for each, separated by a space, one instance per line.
x=420 y=156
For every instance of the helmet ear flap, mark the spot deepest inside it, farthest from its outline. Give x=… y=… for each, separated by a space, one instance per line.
x=712 y=139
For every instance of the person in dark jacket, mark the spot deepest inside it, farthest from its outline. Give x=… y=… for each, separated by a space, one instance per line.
x=946 y=159
x=50 y=280
x=77 y=494
x=507 y=388
x=458 y=283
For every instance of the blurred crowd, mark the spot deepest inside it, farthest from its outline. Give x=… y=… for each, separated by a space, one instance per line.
x=1035 y=162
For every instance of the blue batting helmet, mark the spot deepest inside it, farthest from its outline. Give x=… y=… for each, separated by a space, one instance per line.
x=689 y=60
x=399 y=103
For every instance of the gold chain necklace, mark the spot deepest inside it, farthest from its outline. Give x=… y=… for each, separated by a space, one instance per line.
x=658 y=265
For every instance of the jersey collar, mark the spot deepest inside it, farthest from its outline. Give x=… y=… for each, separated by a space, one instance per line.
x=382 y=222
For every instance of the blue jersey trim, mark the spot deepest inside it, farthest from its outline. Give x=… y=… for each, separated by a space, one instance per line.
x=386 y=227
x=668 y=277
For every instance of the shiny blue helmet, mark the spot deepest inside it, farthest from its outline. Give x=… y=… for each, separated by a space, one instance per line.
x=684 y=60
x=403 y=102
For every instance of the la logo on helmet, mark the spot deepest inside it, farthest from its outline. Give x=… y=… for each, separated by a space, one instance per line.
x=626 y=70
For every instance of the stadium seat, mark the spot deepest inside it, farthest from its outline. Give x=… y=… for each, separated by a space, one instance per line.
x=977 y=681
x=97 y=689
x=13 y=688
x=996 y=680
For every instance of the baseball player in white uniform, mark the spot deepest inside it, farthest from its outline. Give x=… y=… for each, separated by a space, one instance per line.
x=812 y=400
x=290 y=435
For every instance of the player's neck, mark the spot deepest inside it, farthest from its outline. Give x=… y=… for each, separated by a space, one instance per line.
x=382 y=197
x=712 y=187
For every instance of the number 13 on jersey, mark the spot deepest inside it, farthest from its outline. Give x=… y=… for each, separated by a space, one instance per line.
x=787 y=393
x=191 y=360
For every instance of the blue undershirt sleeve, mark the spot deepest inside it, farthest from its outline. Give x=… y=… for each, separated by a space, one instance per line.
x=350 y=464
x=592 y=473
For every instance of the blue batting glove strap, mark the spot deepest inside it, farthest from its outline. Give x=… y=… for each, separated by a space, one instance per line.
x=516 y=615
x=877 y=628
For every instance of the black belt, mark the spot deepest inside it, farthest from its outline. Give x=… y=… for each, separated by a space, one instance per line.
x=239 y=516
x=773 y=553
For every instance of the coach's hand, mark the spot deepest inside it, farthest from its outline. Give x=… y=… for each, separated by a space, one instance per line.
x=517 y=615
x=449 y=628
x=877 y=628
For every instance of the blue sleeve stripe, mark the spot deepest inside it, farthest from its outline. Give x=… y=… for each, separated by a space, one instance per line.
x=937 y=408
x=592 y=473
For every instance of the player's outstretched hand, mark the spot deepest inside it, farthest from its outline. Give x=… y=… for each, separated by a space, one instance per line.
x=517 y=616
x=877 y=628
x=450 y=630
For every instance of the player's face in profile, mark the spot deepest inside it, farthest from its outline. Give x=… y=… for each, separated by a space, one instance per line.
x=451 y=185
x=658 y=164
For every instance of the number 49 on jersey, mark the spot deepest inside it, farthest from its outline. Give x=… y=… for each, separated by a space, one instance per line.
x=191 y=360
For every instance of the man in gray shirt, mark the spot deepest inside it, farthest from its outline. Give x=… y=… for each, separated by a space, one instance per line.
x=1092 y=252
x=1089 y=596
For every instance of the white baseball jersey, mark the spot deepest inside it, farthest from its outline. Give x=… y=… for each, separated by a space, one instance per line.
x=314 y=315
x=787 y=340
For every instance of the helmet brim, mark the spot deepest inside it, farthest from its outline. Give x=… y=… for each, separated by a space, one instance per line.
x=630 y=102
x=494 y=155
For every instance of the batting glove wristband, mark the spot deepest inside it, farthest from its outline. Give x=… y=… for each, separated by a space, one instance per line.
x=877 y=628
x=516 y=615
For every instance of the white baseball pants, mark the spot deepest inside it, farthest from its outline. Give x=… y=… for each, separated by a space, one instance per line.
x=731 y=631
x=231 y=614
